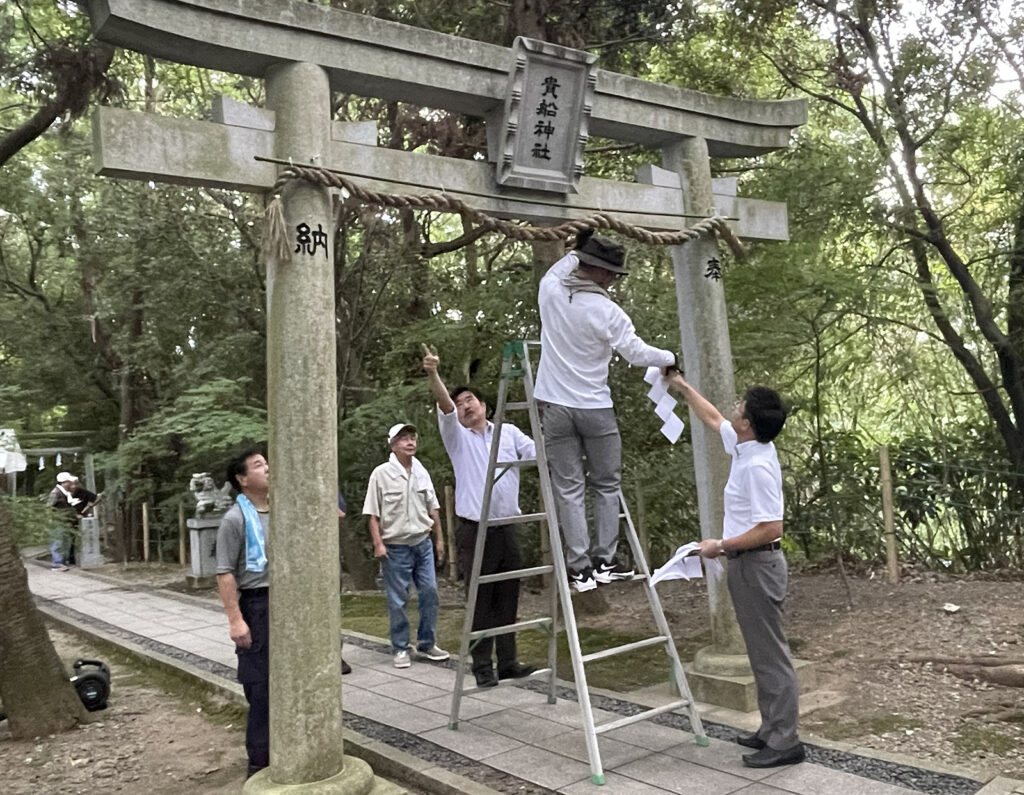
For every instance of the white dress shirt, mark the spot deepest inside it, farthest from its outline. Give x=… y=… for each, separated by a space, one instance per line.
x=754 y=491
x=578 y=333
x=469 y=452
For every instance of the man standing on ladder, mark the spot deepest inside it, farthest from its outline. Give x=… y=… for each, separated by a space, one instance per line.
x=467 y=436
x=581 y=326
x=751 y=539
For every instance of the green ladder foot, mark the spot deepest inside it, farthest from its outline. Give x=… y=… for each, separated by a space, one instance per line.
x=703 y=742
x=597 y=779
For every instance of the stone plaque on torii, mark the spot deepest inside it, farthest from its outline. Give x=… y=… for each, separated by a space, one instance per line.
x=375 y=58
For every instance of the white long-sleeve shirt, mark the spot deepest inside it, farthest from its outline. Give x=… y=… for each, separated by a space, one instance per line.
x=579 y=331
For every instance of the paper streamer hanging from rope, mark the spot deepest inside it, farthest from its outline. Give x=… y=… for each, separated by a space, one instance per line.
x=664 y=405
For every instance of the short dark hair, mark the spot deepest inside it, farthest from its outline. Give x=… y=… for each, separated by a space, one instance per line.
x=239 y=466
x=454 y=394
x=766 y=412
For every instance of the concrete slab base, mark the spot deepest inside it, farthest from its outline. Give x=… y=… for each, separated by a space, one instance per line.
x=739 y=692
x=356 y=778
x=200 y=583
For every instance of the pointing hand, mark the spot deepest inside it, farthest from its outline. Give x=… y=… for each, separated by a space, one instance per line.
x=430 y=360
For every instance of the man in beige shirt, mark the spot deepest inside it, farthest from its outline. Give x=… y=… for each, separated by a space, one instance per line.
x=402 y=509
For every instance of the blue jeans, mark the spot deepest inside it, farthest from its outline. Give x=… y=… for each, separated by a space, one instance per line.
x=404 y=566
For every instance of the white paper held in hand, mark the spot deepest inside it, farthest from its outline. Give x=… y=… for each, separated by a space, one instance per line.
x=685 y=565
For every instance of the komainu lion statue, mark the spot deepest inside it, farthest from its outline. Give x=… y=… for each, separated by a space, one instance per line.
x=209 y=499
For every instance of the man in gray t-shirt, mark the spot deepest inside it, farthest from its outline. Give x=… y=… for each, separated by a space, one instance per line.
x=242 y=583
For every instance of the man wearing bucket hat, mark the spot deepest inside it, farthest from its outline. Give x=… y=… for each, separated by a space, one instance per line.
x=581 y=327
x=402 y=509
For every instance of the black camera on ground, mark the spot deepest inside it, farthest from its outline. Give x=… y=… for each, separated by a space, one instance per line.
x=92 y=684
x=91 y=680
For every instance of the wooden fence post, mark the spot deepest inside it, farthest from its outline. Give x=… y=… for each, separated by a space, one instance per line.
x=449 y=521
x=890 y=532
x=145 y=532
x=181 y=533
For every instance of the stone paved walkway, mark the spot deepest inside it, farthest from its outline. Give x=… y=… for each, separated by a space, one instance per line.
x=510 y=728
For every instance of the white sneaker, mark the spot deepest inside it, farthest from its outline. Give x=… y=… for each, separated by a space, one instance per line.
x=434 y=653
x=582 y=581
x=402 y=659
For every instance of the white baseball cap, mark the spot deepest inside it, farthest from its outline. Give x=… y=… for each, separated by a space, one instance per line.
x=63 y=476
x=398 y=428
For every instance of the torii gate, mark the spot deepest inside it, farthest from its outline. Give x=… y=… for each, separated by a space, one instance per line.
x=372 y=57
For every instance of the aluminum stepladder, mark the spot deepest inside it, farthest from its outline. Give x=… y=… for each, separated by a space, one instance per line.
x=516 y=365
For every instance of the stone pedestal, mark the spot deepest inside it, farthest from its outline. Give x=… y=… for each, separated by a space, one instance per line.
x=356 y=778
x=203 y=539
x=738 y=692
x=89 y=555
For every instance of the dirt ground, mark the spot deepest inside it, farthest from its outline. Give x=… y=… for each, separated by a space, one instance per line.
x=866 y=657
x=152 y=738
x=162 y=737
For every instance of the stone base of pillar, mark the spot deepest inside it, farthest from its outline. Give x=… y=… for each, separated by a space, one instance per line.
x=356 y=778
x=200 y=583
x=735 y=690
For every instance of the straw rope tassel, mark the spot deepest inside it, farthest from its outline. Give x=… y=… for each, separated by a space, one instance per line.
x=275 y=233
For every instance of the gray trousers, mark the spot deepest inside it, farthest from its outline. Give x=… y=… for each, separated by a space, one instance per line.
x=757 y=584
x=569 y=435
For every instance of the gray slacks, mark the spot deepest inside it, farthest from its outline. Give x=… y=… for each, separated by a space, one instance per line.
x=757 y=584
x=569 y=435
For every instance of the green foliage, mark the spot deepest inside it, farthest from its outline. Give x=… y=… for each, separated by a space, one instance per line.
x=32 y=521
x=138 y=309
x=199 y=431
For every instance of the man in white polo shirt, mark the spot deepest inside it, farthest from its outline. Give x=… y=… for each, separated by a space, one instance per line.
x=751 y=539
x=467 y=436
x=580 y=327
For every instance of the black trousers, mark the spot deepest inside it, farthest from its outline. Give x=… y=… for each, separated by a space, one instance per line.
x=254 y=676
x=497 y=603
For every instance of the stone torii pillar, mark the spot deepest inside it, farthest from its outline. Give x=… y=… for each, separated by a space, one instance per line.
x=707 y=360
x=305 y=617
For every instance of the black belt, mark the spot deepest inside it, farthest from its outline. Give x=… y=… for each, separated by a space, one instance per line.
x=735 y=553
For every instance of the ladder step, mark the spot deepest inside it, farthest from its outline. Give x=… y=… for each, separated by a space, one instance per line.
x=523 y=518
x=518 y=574
x=539 y=672
x=517 y=406
x=519 y=462
x=640 y=644
x=536 y=623
x=626 y=721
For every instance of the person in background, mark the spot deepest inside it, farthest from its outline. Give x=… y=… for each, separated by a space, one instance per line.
x=73 y=502
x=402 y=509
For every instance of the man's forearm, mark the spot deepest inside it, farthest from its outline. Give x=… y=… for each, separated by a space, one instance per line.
x=227 y=589
x=701 y=406
x=440 y=392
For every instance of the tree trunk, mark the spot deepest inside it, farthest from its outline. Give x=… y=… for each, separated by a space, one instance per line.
x=37 y=695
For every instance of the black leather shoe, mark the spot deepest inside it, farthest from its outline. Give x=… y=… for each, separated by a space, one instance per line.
x=750 y=740
x=515 y=671
x=345 y=667
x=769 y=757
x=485 y=678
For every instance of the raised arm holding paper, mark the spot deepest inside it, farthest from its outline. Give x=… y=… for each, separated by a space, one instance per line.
x=751 y=539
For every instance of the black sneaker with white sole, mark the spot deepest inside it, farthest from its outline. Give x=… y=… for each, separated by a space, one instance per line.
x=611 y=570
x=582 y=580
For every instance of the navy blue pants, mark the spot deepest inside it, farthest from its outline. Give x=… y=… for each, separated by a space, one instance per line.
x=254 y=676
x=497 y=603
